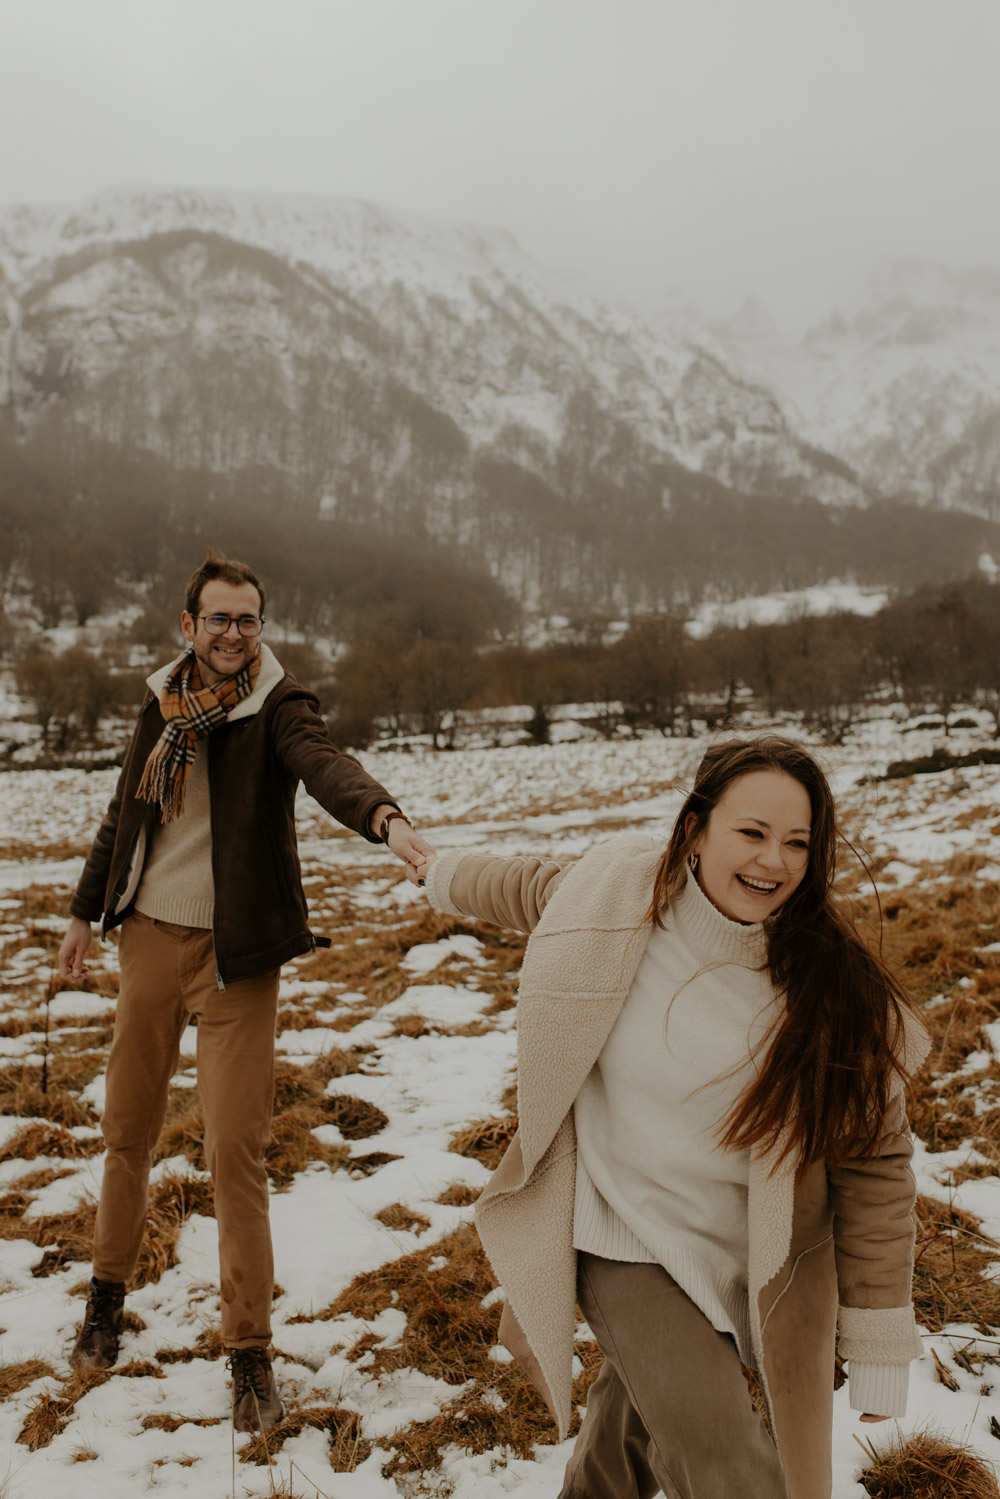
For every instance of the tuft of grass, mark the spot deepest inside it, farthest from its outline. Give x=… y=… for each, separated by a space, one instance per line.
x=293 y=1145
x=208 y=1345
x=401 y=1219
x=139 y=1369
x=34 y=1181
x=366 y=1165
x=356 y=1118
x=346 y=1446
x=449 y=1334
x=952 y=1279
x=926 y=1466
x=83 y=1455
x=21 y=1093
x=48 y=1415
x=183 y=1131
x=68 y=1237
x=458 y=1195
x=14 y=1377
x=338 y=1062
x=33 y=1140
x=162 y=1421
x=486 y=1140
x=172 y=1201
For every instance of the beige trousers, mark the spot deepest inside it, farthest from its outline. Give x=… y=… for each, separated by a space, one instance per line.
x=669 y=1411
x=168 y=975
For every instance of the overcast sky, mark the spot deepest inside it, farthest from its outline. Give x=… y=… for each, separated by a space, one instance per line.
x=710 y=147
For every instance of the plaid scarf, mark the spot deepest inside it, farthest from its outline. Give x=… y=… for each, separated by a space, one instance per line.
x=191 y=711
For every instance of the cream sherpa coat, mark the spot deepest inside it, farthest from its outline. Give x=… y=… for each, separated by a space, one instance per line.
x=817 y=1237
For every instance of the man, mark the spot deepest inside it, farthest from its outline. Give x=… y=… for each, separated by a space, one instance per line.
x=196 y=861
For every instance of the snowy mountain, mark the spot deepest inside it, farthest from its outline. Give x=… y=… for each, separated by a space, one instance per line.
x=429 y=380
x=906 y=391
x=307 y=298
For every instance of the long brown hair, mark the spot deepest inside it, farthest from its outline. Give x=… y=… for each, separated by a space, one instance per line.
x=824 y=1085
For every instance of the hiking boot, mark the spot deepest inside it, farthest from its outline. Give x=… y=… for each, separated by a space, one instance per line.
x=256 y=1403
x=96 y=1346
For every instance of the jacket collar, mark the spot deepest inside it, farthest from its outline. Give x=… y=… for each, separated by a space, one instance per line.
x=271 y=673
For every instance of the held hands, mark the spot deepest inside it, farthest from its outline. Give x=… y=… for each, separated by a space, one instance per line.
x=73 y=950
x=415 y=852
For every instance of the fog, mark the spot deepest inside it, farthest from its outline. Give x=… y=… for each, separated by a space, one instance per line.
x=653 y=148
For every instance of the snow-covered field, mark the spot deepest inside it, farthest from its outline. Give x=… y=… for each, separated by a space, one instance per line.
x=428 y=1031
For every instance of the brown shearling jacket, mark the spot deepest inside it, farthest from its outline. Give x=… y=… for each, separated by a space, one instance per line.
x=271 y=741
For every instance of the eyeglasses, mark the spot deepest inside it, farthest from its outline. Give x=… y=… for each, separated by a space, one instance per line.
x=218 y=624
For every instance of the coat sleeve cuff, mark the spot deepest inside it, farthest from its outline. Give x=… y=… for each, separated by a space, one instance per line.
x=878 y=1335
x=878 y=1389
x=439 y=879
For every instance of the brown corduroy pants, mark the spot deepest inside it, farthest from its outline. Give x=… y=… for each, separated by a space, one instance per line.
x=669 y=1411
x=168 y=975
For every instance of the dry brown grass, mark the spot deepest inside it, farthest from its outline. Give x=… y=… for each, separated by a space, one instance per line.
x=926 y=1466
x=208 y=1345
x=300 y=1105
x=402 y=1219
x=14 y=1377
x=162 y=1421
x=139 y=1369
x=293 y=1145
x=19 y=1025
x=172 y=1201
x=458 y=1195
x=952 y=1254
x=67 y=1237
x=931 y=936
x=27 y=852
x=83 y=1455
x=346 y=1447
x=486 y=1140
x=183 y=1131
x=34 y=1181
x=339 y=1062
x=448 y=1335
x=48 y=1415
x=356 y=1118
x=21 y=1093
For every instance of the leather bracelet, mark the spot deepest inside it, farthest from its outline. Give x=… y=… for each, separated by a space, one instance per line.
x=383 y=830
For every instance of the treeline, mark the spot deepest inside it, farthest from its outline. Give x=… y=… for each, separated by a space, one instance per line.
x=929 y=652
x=424 y=660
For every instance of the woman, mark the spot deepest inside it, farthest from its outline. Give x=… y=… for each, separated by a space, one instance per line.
x=712 y=1149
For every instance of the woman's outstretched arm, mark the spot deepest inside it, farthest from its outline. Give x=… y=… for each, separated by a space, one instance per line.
x=511 y=892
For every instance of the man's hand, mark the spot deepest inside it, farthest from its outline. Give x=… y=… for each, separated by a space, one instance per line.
x=415 y=852
x=74 y=947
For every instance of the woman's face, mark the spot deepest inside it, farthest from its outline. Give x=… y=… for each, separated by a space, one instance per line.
x=755 y=850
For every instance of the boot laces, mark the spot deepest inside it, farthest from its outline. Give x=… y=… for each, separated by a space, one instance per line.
x=249 y=1368
x=101 y=1308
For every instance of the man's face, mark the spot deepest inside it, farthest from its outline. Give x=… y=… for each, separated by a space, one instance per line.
x=221 y=656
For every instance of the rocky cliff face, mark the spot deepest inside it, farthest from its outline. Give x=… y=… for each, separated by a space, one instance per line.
x=907 y=391
x=219 y=326
x=427 y=378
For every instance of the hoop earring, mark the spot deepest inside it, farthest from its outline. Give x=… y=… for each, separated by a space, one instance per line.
x=693 y=863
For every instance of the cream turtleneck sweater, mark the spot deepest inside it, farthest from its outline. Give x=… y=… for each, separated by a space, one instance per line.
x=653 y=1184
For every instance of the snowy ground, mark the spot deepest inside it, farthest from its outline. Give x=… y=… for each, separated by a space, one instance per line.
x=430 y=1072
